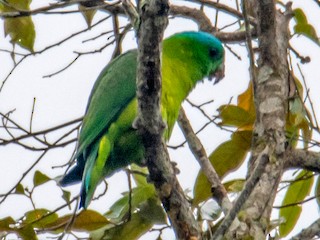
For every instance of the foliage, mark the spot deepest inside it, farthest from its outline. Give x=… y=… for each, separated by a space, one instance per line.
x=21 y=30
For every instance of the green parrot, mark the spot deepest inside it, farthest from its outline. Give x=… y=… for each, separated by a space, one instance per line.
x=108 y=141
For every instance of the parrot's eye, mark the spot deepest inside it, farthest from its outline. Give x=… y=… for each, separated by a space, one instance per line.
x=213 y=53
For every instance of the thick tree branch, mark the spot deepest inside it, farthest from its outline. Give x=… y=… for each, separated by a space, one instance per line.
x=271 y=101
x=153 y=20
x=309 y=232
x=299 y=158
x=205 y=24
x=221 y=7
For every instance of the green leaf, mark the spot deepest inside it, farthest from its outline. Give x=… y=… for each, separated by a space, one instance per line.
x=133 y=229
x=58 y=225
x=226 y=158
x=119 y=208
x=201 y=190
x=241 y=116
x=9 y=225
x=296 y=193
x=88 y=14
x=299 y=16
x=40 y=178
x=27 y=233
x=139 y=195
x=21 y=29
x=139 y=179
x=89 y=220
x=66 y=196
x=303 y=27
x=235 y=116
x=39 y=218
x=298 y=120
x=153 y=211
x=35 y=215
x=5 y=224
x=235 y=185
x=19 y=189
x=86 y=220
x=229 y=156
x=308 y=31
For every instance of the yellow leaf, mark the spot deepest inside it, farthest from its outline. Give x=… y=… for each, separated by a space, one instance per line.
x=245 y=100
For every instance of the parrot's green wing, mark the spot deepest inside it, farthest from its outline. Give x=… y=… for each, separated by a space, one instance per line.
x=107 y=140
x=114 y=89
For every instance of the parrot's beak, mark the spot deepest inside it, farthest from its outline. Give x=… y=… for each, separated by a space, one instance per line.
x=219 y=73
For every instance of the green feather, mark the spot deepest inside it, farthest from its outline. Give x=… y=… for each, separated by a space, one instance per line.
x=107 y=141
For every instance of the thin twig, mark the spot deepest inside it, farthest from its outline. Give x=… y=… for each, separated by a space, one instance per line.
x=309 y=98
x=64 y=68
x=249 y=41
x=32 y=112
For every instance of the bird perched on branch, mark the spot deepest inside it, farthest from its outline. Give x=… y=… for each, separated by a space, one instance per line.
x=108 y=141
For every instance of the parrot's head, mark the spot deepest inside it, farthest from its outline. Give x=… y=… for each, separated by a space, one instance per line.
x=200 y=50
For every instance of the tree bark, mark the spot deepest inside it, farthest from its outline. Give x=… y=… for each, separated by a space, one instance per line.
x=271 y=101
x=153 y=20
x=271 y=88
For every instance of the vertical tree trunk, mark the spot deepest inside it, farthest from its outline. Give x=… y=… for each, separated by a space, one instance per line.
x=271 y=89
x=153 y=20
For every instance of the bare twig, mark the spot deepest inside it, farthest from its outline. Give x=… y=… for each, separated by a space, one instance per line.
x=47 y=48
x=249 y=41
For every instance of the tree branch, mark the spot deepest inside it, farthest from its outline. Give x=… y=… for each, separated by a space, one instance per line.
x=309 y=232
x=199 y=16
x=299 y=158
x=153 y=20
x=218 y=190
x=205 y=24
x=270 y=97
